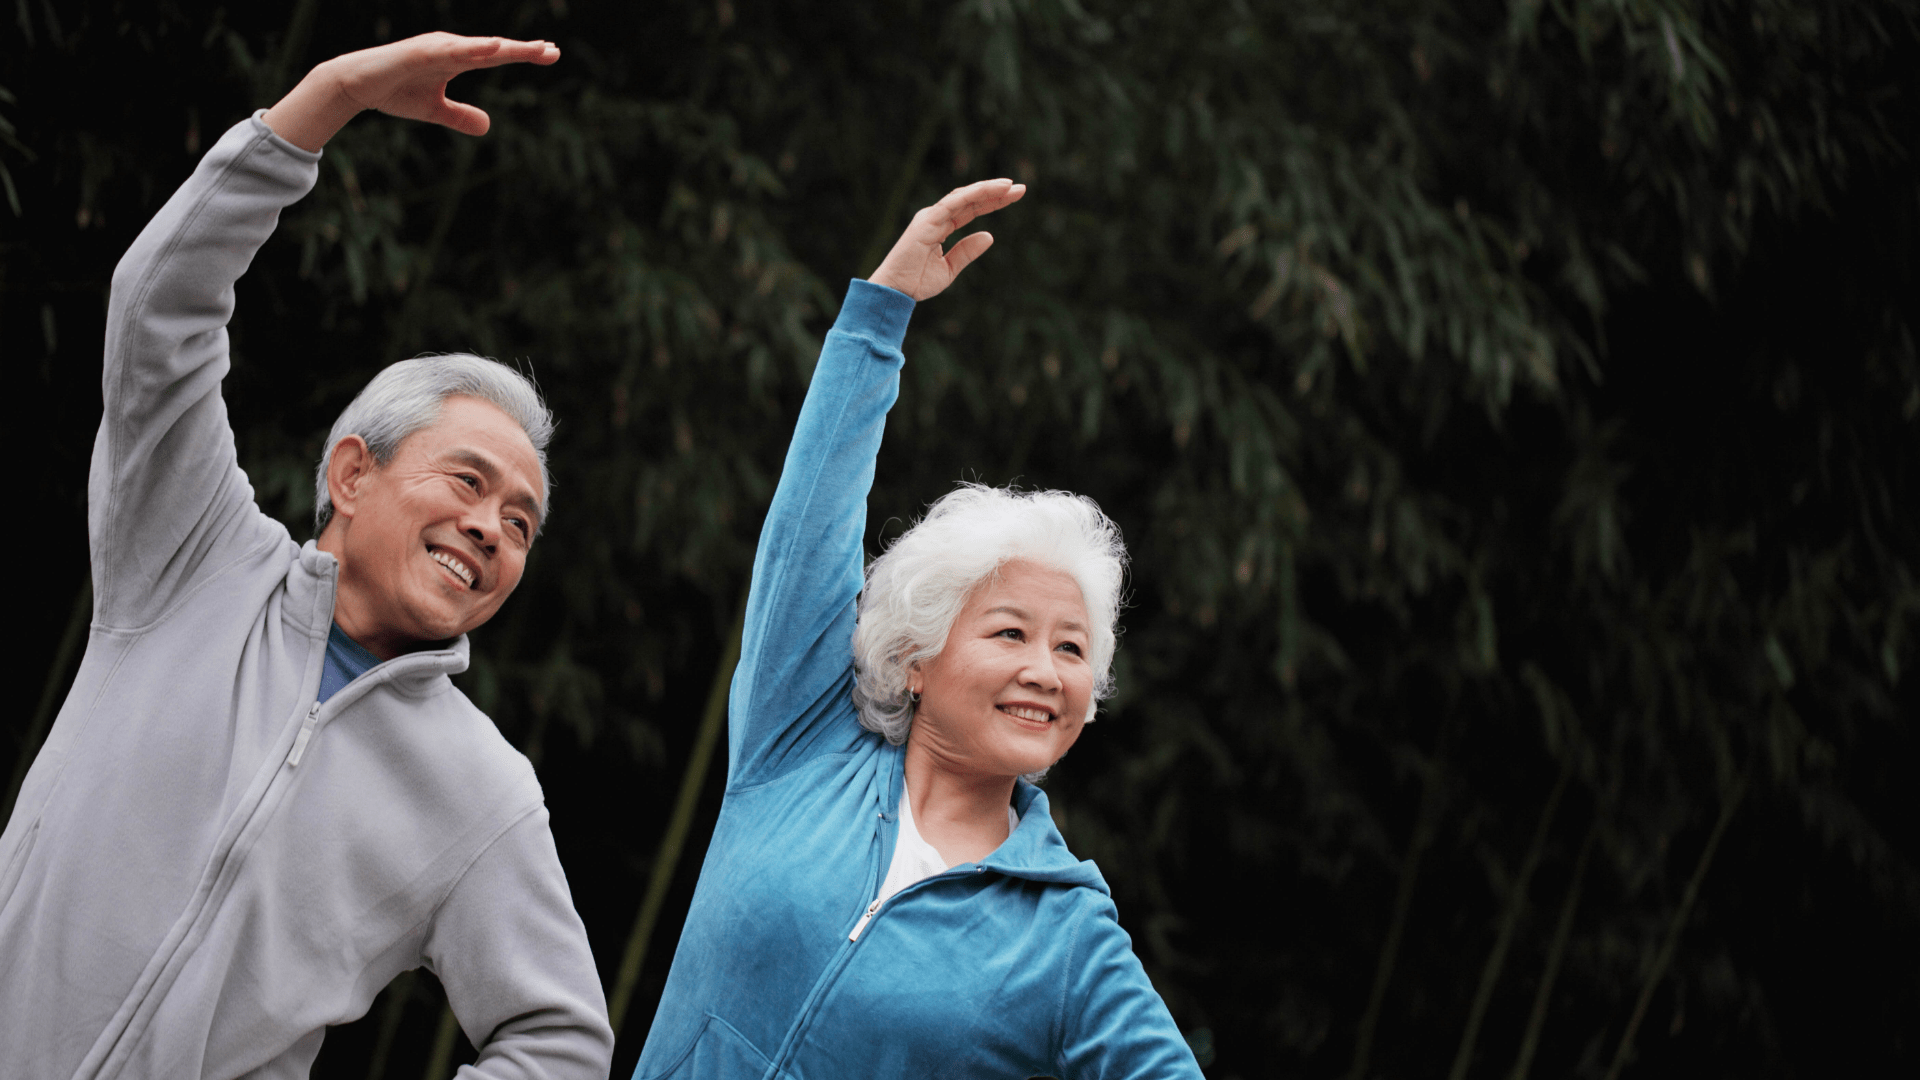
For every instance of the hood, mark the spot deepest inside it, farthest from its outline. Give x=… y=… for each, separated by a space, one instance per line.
x=1036 y=850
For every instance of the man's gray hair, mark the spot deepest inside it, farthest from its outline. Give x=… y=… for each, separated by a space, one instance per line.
x=407 y=397
x=917 y=589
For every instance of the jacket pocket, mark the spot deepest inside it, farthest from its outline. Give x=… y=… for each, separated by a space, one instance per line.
x=716 y=1050
x=17 y=865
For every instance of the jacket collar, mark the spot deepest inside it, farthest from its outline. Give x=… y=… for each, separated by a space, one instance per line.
x=317 y=575
x=1036 y=851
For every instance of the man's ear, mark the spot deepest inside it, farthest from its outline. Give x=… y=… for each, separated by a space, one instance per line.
x=347 y=472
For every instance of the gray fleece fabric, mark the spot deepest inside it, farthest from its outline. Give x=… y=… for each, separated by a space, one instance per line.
x=205 y=867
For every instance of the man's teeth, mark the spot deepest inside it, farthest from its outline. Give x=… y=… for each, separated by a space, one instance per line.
x=454 y=565
x=1025 y=713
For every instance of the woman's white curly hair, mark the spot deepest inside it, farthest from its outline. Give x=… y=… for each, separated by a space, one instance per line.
x=917 y=588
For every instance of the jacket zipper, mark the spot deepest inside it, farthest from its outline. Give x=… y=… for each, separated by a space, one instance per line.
x=864 y=920
x=306 y=735
x=874 y=908
x=238 y=825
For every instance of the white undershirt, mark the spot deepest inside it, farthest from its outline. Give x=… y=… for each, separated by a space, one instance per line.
x=913 y=858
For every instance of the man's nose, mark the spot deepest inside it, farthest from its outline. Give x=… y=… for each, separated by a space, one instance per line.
x=478 y=530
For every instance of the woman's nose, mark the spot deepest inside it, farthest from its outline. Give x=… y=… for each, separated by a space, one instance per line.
x=1040 y=671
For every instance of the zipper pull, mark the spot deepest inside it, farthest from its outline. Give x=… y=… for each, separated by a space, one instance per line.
x=864 y=920
x=306 y=734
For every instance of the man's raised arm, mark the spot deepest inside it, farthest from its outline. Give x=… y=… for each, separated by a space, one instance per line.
x=167 y=502
x=407 y=79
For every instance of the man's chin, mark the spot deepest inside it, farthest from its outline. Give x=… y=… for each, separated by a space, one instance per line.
x=434 y=618
x=438 y=629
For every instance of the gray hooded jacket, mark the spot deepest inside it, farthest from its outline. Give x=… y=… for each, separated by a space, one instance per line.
x=206 y=867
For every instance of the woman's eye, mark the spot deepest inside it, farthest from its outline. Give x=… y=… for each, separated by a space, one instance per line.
x=1071 y=647
x=1012 y=633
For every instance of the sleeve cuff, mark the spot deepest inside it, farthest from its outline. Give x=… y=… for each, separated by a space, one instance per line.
x=875 y=312
x=260 y=128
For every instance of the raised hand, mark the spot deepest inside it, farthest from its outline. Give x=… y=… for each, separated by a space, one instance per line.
x=917 y=266
x=405 y=78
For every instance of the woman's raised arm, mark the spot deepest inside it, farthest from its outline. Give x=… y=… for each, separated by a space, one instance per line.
x=790 y=697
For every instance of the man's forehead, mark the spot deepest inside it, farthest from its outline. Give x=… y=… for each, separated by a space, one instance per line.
x=480 y=435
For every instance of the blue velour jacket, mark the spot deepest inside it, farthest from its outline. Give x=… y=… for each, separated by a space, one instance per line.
x=1011 y=967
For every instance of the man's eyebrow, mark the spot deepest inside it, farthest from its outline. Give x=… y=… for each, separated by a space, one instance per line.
x=484 y=465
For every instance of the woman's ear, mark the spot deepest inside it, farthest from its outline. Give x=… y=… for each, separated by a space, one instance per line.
x=349 y=466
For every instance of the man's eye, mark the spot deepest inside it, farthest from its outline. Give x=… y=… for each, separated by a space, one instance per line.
x=470 y=480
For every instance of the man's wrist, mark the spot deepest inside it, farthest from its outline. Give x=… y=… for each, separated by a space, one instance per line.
x=313 y=111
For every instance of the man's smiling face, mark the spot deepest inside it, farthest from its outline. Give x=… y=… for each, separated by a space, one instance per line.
x=434 y=541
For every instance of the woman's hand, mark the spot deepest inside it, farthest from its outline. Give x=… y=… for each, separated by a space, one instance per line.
x=406 y=79
x=916 y=265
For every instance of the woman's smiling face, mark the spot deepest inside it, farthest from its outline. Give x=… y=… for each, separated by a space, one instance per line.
x=1008 y=694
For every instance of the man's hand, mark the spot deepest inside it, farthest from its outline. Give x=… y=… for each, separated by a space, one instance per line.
x=916 y=265
x=406 y=79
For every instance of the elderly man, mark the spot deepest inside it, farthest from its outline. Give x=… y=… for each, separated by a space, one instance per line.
x=263 y=799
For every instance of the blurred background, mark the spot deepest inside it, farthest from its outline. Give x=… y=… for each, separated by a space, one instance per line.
x=1513 y=409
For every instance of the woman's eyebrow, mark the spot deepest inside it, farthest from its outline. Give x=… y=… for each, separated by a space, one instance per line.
x=1024 y=615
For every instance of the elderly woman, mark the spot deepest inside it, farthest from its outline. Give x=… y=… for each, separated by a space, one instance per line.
x=885 y=895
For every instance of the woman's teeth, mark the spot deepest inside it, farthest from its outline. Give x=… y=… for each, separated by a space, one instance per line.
x=1025 y=713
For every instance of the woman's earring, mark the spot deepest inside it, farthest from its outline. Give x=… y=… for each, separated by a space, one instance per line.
x=913 y=697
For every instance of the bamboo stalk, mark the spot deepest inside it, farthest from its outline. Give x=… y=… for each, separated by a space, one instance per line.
x=1674 y=928
x=1556 y=952
x=667 y=858
x=455 y=188
x=398 y=992
x=1509 y=923
x=50 y=692
x=442 y=1054
x=293 y=48
x=1426 y=825
x=917 y=146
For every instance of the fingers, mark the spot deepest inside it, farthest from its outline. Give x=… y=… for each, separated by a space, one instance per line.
x=467 y=53
x=462 y=117
x=963 y=204
x=493 y=52
x=917 y=266
x=967 y=250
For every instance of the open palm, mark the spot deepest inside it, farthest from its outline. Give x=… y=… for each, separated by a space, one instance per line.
x=917 y=265
x=409 y=78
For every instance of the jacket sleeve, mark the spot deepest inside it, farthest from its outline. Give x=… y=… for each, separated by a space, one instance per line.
x=513 y=956
x=1115 y=1024
x=167 y=503
x=789 y=699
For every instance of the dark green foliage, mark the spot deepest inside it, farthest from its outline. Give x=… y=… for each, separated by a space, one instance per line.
x=1489 y=393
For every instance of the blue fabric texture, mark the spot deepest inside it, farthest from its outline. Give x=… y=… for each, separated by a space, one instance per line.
x=346 y=661
x=1015 y=966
